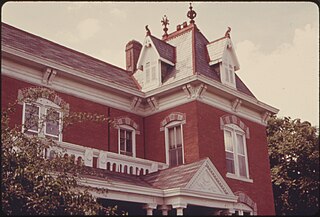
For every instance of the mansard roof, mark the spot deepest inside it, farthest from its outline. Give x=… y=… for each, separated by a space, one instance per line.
x=202 y=60
x=48 y=50
x=164 y=49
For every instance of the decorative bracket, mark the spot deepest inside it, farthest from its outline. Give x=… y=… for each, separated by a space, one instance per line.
x=136 y=101
x=265 y=117
x=48 y=76
x=153 y=103
x=192 y=92
x=200 y=90
x=236 y=104
x=189 y=90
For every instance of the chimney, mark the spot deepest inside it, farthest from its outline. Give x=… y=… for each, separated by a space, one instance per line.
x=133 y=49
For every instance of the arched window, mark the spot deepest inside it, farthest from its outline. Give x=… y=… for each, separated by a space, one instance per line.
x=127 y=130
x=43 y=118
x=172 y=125
x=174 y=143
x=127 y=140
x=236 y=151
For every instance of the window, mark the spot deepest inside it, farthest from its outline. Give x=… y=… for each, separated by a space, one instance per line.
x=42 y=118
x=236 y=153
x=127 y=140
x=229 y=77
x=174 y=144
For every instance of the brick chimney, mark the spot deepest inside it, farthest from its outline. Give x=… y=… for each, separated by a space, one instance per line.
x=133 y=49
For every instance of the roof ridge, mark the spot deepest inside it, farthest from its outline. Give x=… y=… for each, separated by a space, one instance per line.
x=162 y=41
x=217 y=40
x=62 y=46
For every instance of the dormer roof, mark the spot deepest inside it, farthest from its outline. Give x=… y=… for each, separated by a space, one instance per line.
x=165 y=50
x=217 y=48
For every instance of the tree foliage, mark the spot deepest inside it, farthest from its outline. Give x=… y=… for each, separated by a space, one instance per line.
x=34 y=185
x=294 y=159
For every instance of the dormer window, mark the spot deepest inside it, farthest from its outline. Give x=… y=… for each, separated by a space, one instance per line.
x=229 y=73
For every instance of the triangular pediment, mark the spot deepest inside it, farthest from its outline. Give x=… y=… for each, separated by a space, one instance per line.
x=208 y=179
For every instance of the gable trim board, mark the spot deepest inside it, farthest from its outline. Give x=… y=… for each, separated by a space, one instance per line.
x=188 y=194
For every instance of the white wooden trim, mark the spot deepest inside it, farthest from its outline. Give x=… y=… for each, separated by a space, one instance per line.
x=127 y=127
x=170 y=125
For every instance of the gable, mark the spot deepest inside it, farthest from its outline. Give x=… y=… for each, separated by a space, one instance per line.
x=208 y=179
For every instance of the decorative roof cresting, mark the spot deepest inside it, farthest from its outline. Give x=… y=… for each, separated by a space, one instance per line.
x=191 y=14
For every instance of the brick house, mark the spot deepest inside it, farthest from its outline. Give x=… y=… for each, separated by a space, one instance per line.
x=189 y=136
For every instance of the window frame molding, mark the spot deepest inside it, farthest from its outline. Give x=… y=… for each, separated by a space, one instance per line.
x=43 y=104
x=236 y=130
x=133 y=134
x=166 y=133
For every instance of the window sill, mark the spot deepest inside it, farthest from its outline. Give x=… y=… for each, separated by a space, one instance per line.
x=233 y=176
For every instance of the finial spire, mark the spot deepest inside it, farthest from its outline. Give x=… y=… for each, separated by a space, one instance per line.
x=227 y=34
x=191 y=14
x=165 y=23
x=148 y=33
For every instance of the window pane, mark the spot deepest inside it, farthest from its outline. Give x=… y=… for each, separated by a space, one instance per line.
x=172 y=157
x=129 y=142
x=242 y=166
x=230 y=166
x=171 y=138
x=228 y=141
x=31 y=117
x=52 y=124
x=179 y=155
x=122 y=140
x=178 y=134
x=240 y=145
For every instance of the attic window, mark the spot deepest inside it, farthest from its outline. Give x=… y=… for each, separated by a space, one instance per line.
x=229 y=77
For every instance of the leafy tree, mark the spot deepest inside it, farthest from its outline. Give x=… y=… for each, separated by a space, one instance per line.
x=294 y=159
x=34 y=185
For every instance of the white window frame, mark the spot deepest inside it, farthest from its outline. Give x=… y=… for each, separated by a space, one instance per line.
x=166 y=131
x=43 y=105
x=127 y=127
x=60 y=125
x=228 y=76
x=235 y=130
x=24 y=118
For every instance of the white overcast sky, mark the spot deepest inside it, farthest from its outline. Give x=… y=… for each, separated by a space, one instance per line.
x=277 y=43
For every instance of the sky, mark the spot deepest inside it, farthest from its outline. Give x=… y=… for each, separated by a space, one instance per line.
x=277 y=43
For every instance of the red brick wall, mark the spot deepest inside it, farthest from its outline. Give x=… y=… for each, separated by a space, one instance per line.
x=211 y=144
x=202 y=137
x=116 y=113
x=88 y=134
x=155 y=139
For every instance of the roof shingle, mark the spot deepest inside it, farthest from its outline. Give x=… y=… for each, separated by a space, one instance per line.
x=165 y=50
x=42 y=48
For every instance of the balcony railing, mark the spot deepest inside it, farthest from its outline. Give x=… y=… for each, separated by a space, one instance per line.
x=111 y=161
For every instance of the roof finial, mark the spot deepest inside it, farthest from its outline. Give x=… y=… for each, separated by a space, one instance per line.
x=148 y=31
x=165 y=22
x=191 y=14
x=227 y=34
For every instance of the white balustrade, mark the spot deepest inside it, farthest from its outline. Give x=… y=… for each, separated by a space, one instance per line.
x=112 y=161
